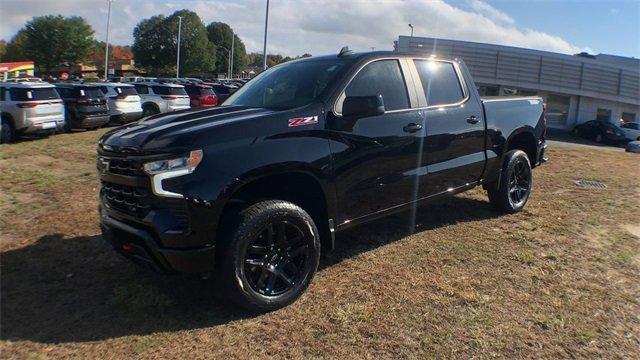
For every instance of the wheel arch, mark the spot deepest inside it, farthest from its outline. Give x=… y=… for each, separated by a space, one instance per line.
x=523 y=139
x=300 y=186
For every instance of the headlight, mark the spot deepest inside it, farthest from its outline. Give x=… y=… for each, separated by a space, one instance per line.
x=189 y=164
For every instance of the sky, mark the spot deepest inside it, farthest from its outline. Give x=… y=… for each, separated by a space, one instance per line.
x=324 y=26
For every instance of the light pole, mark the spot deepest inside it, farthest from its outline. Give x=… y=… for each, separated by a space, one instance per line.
x=264 y=50
x=233 y=37
x=106 y=47
x=178 y=57
x=411 y=26
x=229 y=60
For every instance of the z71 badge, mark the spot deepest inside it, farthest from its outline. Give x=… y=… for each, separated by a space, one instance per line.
x=301 y=121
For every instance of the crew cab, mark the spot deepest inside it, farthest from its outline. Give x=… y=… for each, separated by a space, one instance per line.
x=249 y=191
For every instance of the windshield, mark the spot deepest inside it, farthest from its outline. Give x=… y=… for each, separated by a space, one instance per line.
x=90 y=92
x=24 y=94
x=288 y=86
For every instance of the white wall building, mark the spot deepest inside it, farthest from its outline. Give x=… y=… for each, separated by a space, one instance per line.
x=576 y=88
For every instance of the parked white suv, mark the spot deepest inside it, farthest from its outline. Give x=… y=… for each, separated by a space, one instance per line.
x=125 y=105
x=29 y=108
x=161 y=97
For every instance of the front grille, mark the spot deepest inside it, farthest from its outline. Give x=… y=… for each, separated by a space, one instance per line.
x=131 y=200
x=125 y=167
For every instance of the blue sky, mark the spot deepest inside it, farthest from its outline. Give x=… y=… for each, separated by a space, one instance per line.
x=610 y=26
x=324 y=26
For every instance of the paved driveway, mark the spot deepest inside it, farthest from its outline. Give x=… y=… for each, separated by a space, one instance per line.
x=559 y=138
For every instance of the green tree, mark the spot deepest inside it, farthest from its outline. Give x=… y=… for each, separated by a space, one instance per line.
x=156 y=42
x=54 y=40
x=221 y=34
x=3 y=48
x=15 y=47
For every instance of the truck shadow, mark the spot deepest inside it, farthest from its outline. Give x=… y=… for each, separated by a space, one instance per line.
x=77 y=289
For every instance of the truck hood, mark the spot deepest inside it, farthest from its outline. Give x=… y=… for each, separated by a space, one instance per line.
x=162 y=132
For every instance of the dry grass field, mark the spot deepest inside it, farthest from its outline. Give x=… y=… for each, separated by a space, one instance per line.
x=560 y=279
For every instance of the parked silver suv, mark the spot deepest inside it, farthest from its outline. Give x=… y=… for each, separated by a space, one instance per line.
x=160 y=97
x=29 y=108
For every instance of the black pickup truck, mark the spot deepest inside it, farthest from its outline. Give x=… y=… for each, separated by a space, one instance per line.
x=250 y=190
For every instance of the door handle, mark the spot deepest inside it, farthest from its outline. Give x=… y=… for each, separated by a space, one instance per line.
x=412 y=127
x=472 y=119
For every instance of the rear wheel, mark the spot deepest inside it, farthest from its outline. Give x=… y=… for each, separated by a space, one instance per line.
x=270 y=257
x=149 y=110
x=7 y=133
x=515 y=183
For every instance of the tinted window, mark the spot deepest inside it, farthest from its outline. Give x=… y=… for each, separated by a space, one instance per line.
x=381 y=78
x=23 y=94
x=168 y=90
x=104 y=89
x=1 y=94
x=142 y=89
x=126 y=90
x=286 y=86
x=192 y=90
x=439 y=82
x=221 y=89
x=90 y=92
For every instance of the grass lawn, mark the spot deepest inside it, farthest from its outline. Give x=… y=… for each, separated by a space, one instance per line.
x=559 y=279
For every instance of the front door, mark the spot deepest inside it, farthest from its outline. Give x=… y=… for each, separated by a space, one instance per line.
x=374 y=163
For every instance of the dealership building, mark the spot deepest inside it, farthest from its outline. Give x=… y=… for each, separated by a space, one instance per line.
x=576 y=88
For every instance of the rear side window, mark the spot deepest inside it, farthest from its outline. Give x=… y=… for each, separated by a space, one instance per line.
x=381 y=78
x=222 y=89
x=104 y=90
x=168 y=90
x=142 y=89
x=440 y=82
x=2 y=94
x=192 y=90
x=24 y=94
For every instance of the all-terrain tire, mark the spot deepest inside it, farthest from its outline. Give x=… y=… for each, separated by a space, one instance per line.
x=246 y=244
x=514 y=188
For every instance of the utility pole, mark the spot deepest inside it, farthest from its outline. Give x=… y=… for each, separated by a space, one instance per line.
x=233 y=38
x=178 y=57
x=264 y=50
x=106 y=48
x=411 y=26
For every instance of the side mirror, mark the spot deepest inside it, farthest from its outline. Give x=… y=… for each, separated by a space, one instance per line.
x=355 y=107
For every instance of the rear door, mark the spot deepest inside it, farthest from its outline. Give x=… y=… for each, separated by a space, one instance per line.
x=375 y=161
x=453 y=148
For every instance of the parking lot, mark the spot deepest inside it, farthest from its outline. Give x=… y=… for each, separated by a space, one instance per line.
x=559 y=279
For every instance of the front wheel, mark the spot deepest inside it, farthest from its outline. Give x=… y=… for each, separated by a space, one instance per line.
x=515 y=183
x=270 y=256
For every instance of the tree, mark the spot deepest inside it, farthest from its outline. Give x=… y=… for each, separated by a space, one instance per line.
x=156 y=42
x=54 y=40
x=221 y=34
x=15 y=47
x=3 y=48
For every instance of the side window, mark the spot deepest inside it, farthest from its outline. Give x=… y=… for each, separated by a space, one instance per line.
x=142 y=89
x=2 y=96
x=381 y=78
x=440 y=82
x=104 y=90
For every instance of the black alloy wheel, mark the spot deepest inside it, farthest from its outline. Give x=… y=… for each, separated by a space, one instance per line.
x=519 y=182
x=268 y=255
x=274 y=261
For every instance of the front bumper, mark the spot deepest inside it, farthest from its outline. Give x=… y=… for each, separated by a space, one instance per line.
x=139 y=245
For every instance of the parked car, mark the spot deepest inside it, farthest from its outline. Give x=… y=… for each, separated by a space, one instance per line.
x=23 y=80
x=161 y=97
x=307 y=149
x=29 y=108
x=222 y=91
x=85 y=106
x=124 y=102
x=201 y=95
x=133 y=79
x=633 y=146
x=599 y=131
x=631 y=130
